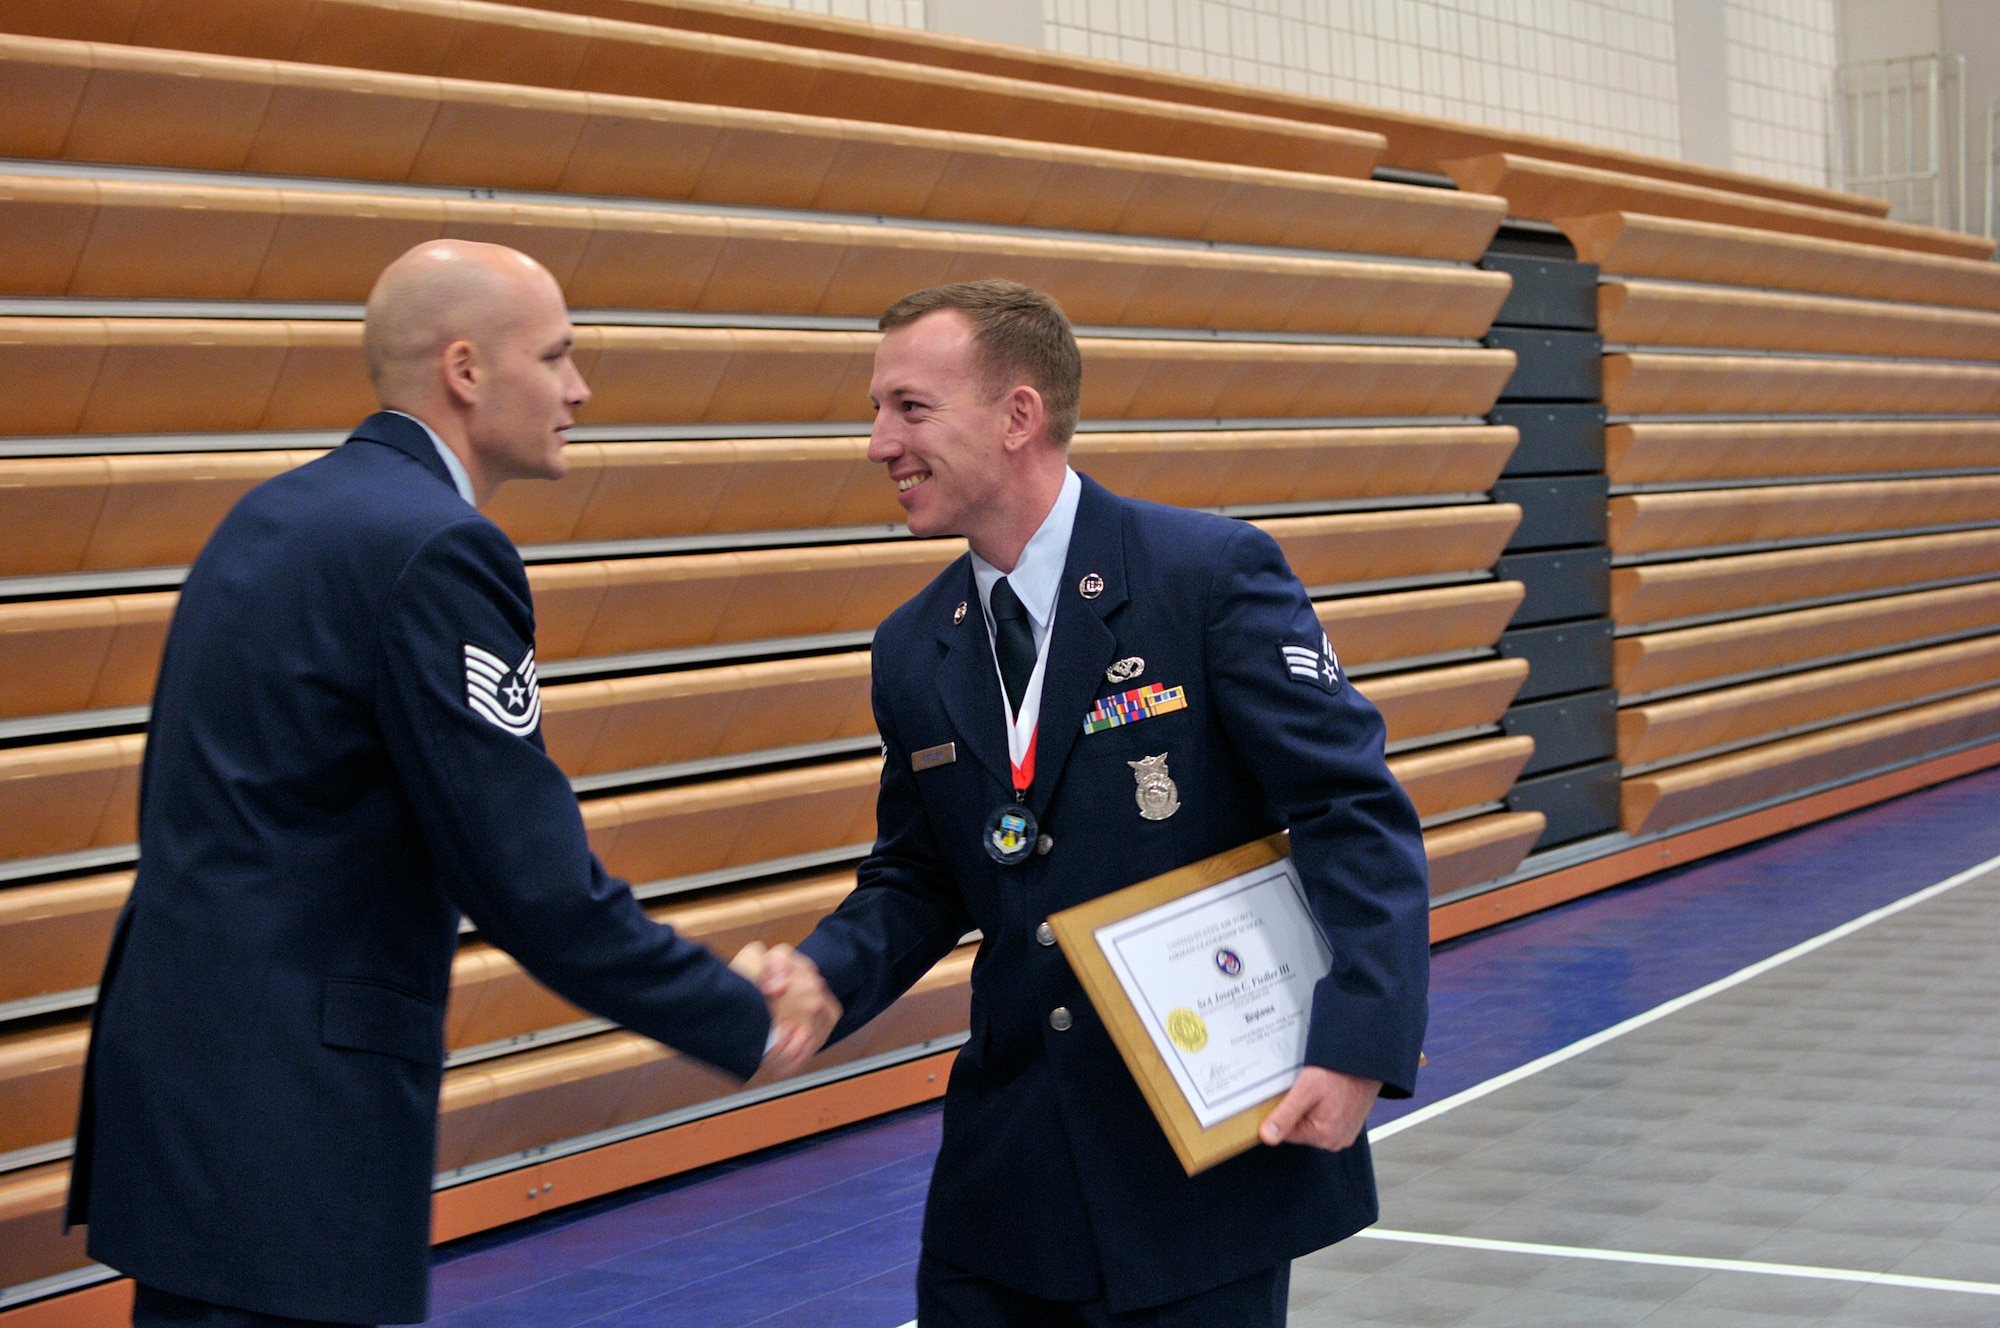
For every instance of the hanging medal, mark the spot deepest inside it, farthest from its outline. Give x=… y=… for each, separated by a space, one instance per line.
x=1011 y=831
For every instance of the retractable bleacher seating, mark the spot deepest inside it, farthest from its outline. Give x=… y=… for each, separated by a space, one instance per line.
x=196 y=200
x=1805 y=588
x=196 y=195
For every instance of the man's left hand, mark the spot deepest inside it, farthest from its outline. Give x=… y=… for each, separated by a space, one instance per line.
x=1324 y=1109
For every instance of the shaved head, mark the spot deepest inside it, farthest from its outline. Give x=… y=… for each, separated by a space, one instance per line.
x=474 y=340
x=440 y=292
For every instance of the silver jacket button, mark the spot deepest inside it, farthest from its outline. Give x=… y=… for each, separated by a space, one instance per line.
x=1060 y=1020
x=1044 y=845
x=1045 y=934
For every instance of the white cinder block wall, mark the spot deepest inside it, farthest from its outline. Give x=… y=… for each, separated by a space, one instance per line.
x=1603 y=71
x=1782 y=55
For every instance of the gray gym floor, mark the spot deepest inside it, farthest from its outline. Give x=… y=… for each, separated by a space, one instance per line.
x=1838 y=1115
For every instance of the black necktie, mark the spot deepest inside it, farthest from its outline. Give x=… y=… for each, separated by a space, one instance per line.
x=1013 y=642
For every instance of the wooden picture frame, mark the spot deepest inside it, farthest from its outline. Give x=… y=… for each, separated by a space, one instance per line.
x=1197 y=1148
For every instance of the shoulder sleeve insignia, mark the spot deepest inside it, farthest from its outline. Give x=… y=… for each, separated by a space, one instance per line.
x=1315 y=664
x=507 y=696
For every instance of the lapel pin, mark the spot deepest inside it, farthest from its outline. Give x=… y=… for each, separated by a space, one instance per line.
x=958 y=614
x=1125 y=669
x=1091 y=586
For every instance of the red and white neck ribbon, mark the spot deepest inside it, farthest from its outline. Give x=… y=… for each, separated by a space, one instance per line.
x=1021 y=727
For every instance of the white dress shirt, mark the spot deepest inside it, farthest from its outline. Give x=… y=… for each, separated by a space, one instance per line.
x=459 y=479
x=1037 y=573
x=1036 y=578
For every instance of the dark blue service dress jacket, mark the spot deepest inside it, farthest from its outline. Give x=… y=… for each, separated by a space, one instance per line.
x=344 y=753
x=1053 y=1177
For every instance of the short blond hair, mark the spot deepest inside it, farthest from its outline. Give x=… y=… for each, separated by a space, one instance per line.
x=1022 y=335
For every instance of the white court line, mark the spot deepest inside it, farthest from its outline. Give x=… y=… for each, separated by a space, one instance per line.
x=1684 y=1261
x=1676 y=1005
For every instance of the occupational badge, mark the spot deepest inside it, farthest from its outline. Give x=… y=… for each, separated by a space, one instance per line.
x=958 y=614
x=506 y=696
x=1125 y=669
x=1158 y=798
x=1188 y=1030
x=1091 y=586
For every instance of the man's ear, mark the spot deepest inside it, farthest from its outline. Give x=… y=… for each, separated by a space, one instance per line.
x=1026 y=416
x=462 y=371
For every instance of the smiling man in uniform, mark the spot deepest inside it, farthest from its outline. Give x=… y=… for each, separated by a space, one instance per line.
x=1103 y=690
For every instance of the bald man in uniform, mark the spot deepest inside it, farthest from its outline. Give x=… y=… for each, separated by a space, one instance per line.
x=345 y=755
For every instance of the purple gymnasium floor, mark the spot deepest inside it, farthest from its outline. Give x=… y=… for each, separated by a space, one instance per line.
x=825 y=1232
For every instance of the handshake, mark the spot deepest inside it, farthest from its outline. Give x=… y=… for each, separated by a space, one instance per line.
x=803 y=1011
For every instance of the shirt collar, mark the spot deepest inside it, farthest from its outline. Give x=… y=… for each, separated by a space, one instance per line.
x=459 y=479
x=1037 y=573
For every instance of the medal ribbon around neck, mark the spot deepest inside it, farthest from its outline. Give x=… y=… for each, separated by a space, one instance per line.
x=1021 y=727
x=1011 y=833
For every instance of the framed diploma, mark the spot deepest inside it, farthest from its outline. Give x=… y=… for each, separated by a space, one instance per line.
x=1204 y=977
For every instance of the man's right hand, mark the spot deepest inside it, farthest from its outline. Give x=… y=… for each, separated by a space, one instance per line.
x=803 y=1011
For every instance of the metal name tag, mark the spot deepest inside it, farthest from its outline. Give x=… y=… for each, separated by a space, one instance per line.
x=930 y=758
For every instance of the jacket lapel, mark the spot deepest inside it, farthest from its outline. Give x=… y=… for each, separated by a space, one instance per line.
x=1083 y=646
x=969 y=681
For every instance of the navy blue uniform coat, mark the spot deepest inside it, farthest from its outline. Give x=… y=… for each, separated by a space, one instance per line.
x=1053 y=1177
x=319 y=801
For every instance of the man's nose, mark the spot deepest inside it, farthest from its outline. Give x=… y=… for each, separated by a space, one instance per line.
x=579 y=391
x=882 y=445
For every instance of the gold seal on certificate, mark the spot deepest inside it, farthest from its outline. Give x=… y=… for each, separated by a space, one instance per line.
x=1188 y=1030
x=1204 y=978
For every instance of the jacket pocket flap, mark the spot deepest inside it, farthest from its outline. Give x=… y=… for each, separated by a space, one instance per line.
x=367 y=1016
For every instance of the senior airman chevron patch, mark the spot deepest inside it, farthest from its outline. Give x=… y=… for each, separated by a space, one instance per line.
x=1313 y=664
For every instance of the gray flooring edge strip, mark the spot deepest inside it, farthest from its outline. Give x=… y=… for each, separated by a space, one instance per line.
x=76 y=1279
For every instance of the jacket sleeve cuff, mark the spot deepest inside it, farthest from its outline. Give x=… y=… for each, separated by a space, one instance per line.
x=740 y=1046
x=1368 y=1037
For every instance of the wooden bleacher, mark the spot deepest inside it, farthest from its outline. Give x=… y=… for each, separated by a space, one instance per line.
x=1658 y=661
x=1669 y=454
x=1649 y=383
x=1677 y=248
x=1413 y=142
x=722 y=548
x=75 y=101
x=1806 y=592
x=1555 y=191
x=1707 y=518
